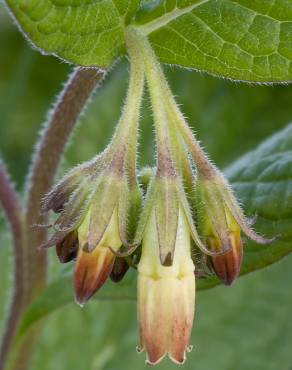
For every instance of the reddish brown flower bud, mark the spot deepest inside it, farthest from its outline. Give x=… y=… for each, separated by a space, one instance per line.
x=227 y=265
x=91 y=271
x=119 y=270
x=67 y=249
x=220 y=221
x=92 y=268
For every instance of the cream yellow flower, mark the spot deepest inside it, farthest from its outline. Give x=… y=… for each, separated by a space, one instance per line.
x=166 y=295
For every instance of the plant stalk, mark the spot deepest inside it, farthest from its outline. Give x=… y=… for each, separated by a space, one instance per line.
x=166 y=154
x=48 y=154
x=164 y=103
x=13 y=210
x=49 y=150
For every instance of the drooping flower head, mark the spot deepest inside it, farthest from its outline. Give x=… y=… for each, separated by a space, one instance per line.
x=98 y=200
x=220 y=220
x=91 y=224
x=188 y=210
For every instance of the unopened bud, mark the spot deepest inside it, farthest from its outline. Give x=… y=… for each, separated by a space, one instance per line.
x=67 y=248
x=227 y=265
x=220 y=221
x=119 y=270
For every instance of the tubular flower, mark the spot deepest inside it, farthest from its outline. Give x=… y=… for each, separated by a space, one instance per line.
x=166 y=279
x=220 y=221
x=226 y=265
x=90 y=227
x=166 y=295
x=93 y=268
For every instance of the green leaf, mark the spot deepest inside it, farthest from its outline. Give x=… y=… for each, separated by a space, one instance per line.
x=85 y=32
x=262 y=179
x=60 y=292
x=246 y=40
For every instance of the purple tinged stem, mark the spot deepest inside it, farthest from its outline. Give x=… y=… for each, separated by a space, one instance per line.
x=13 y=210
x=48 y=153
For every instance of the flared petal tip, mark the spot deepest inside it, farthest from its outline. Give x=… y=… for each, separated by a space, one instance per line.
x=179 y=355
x=153 y=359
x=178 y=359
x=139 y=349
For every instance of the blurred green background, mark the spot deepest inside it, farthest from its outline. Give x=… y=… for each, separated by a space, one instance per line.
x=245 y=327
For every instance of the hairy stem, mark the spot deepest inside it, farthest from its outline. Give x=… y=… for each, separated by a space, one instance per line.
x=48 y=154
x=132 y=110
x=141 y=47
x=167 y=105
x=123 y=146
x=50 y=148
x=10 y=203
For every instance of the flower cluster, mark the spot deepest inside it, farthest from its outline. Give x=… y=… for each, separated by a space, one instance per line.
x=185 y=212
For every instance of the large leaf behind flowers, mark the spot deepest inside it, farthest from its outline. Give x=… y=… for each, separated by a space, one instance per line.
x=246 y=40
x=262 y=179
x=85 y=32
x=239 y=39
